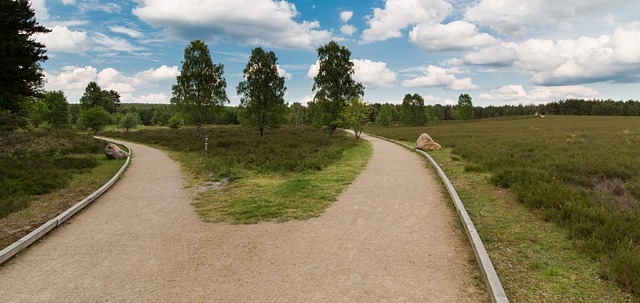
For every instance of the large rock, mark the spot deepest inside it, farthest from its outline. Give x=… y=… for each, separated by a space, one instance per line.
x=425 y=142
x=112 y=151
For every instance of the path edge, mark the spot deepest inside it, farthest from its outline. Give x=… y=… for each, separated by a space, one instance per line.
x=489 y=275
x=24 y=242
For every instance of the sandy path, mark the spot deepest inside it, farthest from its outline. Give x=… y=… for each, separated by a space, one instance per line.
x=388 y=238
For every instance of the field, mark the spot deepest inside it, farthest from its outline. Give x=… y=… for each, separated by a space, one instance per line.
x=291 y=173
x=43 y=173
x=579 y=173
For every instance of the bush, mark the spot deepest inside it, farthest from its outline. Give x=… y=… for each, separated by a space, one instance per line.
x=95 y=118
x=130 y=121
x=175 y=122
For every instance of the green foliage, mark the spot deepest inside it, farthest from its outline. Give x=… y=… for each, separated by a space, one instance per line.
x=298 y=113
x=334 y=85
x=387 y=114
x=465 y=107
x=356 y=115
x=412 y=110
x=37 y=111
x=262 y=91
x=36 y=163
x=94 y=118
x=130 y=121
x=434 y=112
x=94 y=96
x=20 y=56
x=10 y=121
x=580 y=172
x=200 y=90
x=58 y=114
x=175 y=122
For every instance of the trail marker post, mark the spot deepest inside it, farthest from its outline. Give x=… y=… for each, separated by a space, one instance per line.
x=206 y=146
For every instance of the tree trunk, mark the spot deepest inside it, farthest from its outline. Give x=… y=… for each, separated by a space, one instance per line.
x=261 y=131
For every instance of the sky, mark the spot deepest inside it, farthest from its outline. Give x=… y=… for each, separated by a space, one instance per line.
x=497 y=51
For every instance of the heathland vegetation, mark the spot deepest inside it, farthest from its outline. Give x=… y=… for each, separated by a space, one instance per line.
x=579 y=172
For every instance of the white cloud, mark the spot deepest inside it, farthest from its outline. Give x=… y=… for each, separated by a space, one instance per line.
x=373 y=74
x=40 y=7
x=397 y=15
x=439 y=77
x=497 y=55
x=515 y=17
x=161 y=73
x=346 y=16
x=607 y=58
x=457 y=35
x=73 y=80
x=369 y=73
x=61 y=39
x=127 y=31
x=283 y=73
x=111 y=79
x=115 y=44
x=263 y=22
x=348 y=29
x=160 y=98
x=306 y=99
x=314 y=69
x=516 y=94
x=613 y=57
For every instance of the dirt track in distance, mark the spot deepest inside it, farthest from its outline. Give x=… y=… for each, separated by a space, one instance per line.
x=388 y=238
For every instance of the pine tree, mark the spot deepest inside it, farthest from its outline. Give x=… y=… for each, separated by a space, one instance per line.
x=20 y=56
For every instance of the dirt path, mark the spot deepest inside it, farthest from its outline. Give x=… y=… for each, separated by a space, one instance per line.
x=388 y=238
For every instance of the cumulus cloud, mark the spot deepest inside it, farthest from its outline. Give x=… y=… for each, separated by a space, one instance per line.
x=516 y=94
x=283 y=73
x=457 y=35
x=398 y=15
x=161 y=73
x=61 y=39
x=613 y=57
x=40 y=7
x=160 y=98
x=496 y=55
x=515 y=17
x=346 y=16
x=265 y=22
x=369 y=73
x=435 y=76
x=348 y=29
x=607 y=58
x=73 y=80
x=373 y=74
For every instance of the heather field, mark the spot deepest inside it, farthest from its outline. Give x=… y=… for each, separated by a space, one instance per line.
x=582 y=174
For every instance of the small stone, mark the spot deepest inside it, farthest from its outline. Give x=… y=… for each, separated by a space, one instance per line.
x=112 y=151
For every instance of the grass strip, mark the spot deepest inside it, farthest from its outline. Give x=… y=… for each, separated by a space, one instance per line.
x=283 y=197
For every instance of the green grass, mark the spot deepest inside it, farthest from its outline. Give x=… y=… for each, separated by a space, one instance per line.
x=292 y=173
x=577 y=174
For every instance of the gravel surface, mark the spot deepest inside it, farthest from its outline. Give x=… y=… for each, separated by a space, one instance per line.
x=388 y=238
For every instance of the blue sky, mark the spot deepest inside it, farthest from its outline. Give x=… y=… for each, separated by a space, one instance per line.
x=497 y=51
